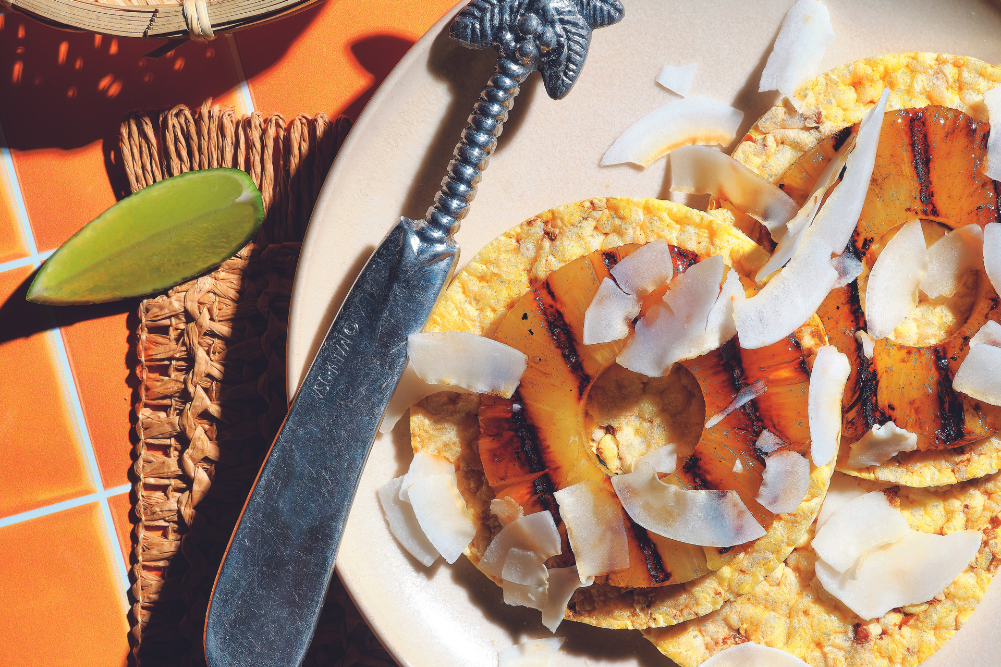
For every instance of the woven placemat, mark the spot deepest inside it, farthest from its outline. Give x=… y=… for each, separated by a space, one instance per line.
x=211 y=379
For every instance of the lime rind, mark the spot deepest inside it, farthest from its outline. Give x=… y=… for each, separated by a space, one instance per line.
x=161 y=236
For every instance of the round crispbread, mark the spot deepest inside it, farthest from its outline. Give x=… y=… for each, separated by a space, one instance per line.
x=790 y=609
x=446 y=424
x=838 y=99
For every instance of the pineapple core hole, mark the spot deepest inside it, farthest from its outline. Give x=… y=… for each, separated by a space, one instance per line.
x=933 y=320
x=628 y=415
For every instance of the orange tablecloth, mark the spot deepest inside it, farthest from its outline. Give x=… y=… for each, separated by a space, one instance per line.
x=66 y=391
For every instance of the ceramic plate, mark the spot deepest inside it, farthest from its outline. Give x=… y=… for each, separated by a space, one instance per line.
x=392 y=164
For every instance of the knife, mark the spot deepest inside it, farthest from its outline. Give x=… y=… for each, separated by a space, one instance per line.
x=274 y=575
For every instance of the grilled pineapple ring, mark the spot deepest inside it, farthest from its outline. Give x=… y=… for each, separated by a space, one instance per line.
x=790 y=610
x=478 y=301
x=928 y=166
x=536 y=443
x=921 y=152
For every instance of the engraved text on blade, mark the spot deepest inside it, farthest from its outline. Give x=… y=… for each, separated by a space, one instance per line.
x=340 y=346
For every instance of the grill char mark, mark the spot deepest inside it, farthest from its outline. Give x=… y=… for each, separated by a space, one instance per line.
x=841 y=137
x=921 y=161
x=560 y=332
x=527 y=434
x=730 y=354
x=654 y=563
x=544 y=490
x=693 y=468
x=609 y=258
x=683 y=259
x=952 y=412
x=868 y=378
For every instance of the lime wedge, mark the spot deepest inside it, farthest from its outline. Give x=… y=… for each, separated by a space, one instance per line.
x=159 y=237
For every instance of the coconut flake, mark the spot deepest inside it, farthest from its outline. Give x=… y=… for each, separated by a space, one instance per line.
x=840 y=213
x=704 y=517
x=789 y=298
x=524 y=579
x=790 y=241
x=720 y=326
x=768 y=442
x=506 y=510
x=799 y=49
x=881 y=444
x=524 y=567
x=663 y=459
x=410 y=389
x=848 y=266
x=808 y=212
x=992 y=253
x=519 y=595
x=457 y=358
x=531 y=653
x=992 y=100
x=796 y=292
x=403 y=523
x=442 y=514
x=842 y=489
x=950 y=257
x=677 y=79
x=424 y=465
x=738 y=467
x=785 y=482
x=690 y=120
x=978 y=375
x=563 y=582
x=868 y=344
x=595 y=528
x=677 y=328
x=892 y=291
x=702 y=170
x=857 y=528
x=610 y=314
x=793 y=295
x=988 y=334
x=749 y=654
x=745 y=395
x=912 y=570
x=534 y=532
x=645 y=269
x=827 y=386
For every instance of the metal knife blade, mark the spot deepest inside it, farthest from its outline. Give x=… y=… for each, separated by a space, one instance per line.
x=274 y=576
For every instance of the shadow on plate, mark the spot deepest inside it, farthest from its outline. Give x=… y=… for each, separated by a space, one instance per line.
x=598 y=646
x=466 y=72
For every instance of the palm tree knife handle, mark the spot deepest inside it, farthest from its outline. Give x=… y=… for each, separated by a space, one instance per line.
x=275 y=572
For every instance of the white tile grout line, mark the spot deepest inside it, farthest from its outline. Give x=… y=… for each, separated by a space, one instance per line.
x=34 y=260
x=88 y=448
x=64 y=505
x=30 y=260
x=70 y=388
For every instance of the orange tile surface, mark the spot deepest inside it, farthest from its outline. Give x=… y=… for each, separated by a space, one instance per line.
x=42 y=459
x=309 y=63
x=121 y=514
x=60 y=600
x=101 y=356
x=62 y=98
x=12 y=244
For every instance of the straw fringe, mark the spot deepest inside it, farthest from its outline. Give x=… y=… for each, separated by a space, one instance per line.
x=287 y=162
x=211 y=370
